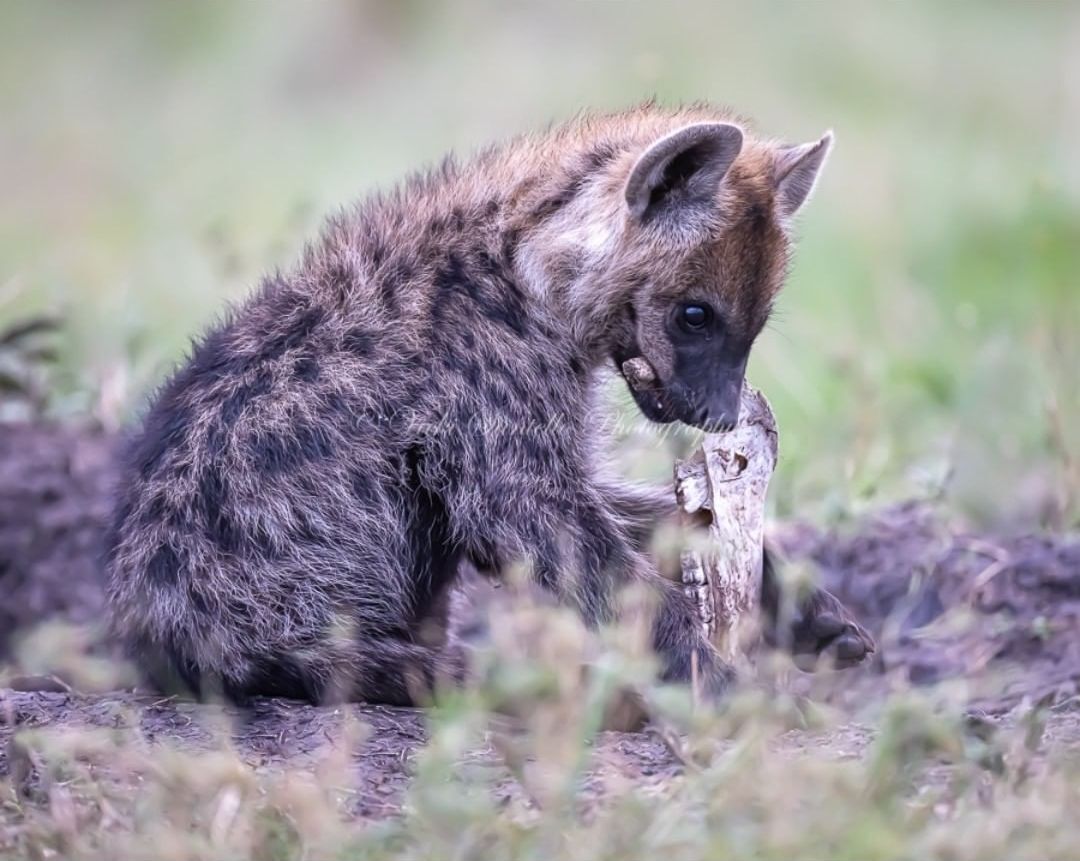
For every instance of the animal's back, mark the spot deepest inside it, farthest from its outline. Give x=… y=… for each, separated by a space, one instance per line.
x=266 y=505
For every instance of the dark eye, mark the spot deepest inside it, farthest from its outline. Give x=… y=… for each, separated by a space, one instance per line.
x=695 y=316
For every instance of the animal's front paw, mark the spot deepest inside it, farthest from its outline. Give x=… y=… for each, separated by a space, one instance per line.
x=824 y=633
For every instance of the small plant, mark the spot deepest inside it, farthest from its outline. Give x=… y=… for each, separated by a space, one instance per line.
x=27 y=353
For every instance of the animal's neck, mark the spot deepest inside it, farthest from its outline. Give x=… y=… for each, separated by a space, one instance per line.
x=567 y=244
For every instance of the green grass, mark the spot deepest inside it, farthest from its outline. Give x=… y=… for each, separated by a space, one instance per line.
x=156 y=159
x=768 y=778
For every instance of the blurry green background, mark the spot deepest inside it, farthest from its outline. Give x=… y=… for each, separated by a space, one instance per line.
x=155 y=158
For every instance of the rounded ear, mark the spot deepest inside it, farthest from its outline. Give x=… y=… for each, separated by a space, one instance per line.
x=796 y=172
x=682 y=170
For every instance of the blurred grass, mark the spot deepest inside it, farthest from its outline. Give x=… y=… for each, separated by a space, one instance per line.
x=768 y=778
x=156 y=158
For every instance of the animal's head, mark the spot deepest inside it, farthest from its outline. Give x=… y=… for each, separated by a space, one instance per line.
x=704 y=251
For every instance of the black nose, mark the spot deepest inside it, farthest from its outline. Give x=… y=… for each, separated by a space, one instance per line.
x=712 y=405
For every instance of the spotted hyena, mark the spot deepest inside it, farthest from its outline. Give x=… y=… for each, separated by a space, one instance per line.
x=418 y=394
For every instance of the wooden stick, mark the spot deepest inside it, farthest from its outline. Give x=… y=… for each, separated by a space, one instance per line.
x=722 y=487
x=721 y=492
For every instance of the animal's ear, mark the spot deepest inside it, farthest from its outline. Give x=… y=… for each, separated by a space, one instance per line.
x=796 y=171
x=683 y=169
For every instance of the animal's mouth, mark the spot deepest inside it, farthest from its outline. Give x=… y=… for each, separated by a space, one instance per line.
x=664 y=404
x=654 y=401
x=655 y=407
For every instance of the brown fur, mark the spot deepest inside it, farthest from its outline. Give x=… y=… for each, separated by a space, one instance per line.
x=416 y=393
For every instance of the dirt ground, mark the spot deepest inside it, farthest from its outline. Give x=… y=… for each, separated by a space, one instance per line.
x=997 y=613
x=54 y=501
x=276 y=734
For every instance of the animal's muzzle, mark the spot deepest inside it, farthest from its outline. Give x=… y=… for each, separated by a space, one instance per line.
x=716 y=409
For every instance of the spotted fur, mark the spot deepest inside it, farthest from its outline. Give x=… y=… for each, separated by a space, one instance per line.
x=419 y=391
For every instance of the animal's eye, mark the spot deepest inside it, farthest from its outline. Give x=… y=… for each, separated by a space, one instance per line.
x=695 y=316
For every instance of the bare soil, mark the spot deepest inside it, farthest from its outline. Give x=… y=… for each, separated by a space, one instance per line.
x=54 y=503
x=996 y=612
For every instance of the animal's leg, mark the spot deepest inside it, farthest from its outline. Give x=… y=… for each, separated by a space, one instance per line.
x=400 y=672
x=640 y=509
x=585 y=556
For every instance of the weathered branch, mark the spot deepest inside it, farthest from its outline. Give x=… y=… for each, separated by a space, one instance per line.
x=721 y=492
x=722 y=487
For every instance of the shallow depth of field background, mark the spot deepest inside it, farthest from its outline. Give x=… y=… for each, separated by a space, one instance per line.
x=155 y=159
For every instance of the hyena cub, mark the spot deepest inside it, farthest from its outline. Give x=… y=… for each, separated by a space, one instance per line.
x=416 y=396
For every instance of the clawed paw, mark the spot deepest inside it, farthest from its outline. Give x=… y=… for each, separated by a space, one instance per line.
x=825 y=634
